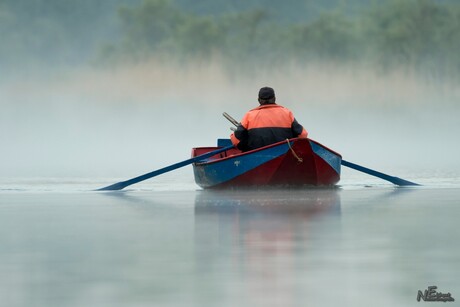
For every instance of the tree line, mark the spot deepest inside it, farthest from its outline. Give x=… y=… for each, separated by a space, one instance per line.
x=416 y=34
x=422 y=35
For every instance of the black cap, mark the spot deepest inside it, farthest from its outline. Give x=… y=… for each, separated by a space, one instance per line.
x=266 y=93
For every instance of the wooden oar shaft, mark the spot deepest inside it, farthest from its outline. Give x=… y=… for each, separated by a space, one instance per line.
x=392 y=179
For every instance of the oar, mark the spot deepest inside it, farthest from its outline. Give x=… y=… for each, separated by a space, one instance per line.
x=123 y=184
x=392 y=179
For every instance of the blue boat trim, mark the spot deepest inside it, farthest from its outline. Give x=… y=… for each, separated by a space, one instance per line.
x=233 y=167
x=332 y=159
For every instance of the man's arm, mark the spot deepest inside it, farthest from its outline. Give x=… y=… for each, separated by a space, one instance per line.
x=298 y=130
x=239 y=138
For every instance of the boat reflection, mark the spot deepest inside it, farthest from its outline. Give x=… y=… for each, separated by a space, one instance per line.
x=246 y=216
x=256 y=242
x=276 y=203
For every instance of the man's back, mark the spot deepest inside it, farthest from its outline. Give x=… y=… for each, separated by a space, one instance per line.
x=267 y=124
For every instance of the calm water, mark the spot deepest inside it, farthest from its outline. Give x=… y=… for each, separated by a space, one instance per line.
x=179 y=246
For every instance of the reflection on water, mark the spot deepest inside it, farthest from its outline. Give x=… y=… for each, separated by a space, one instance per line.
x=325 y=247
x=333 y=247
x=252 y=245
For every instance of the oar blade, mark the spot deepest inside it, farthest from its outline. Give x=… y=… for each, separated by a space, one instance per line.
x=113 y=187
x=404 y=182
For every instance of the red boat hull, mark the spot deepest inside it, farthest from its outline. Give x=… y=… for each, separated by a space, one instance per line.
x=299 y=162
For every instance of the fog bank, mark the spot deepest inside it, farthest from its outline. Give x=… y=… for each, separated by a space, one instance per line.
x=125 y=121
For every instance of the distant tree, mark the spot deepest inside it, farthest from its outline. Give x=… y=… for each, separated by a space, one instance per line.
x=161 y=27
x=151 y=26
x=246 y=34
x=199 y=36
x=332 y=36
x=414 y=33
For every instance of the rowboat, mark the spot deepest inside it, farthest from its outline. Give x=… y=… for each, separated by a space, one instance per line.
x=293 y=162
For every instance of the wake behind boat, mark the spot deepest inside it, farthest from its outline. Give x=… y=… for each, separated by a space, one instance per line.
x=294 y=162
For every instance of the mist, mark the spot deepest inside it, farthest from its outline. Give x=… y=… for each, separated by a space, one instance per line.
x=104 y=123
x=126 y=87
